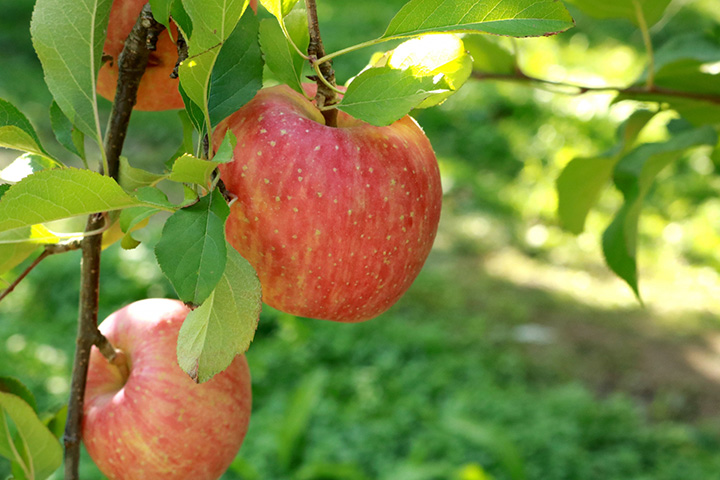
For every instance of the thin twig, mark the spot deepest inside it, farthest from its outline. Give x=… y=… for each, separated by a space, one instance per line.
x=34 y=264
x=573 y=89
x=50 y=249
x=131 y=65
x=325 y=95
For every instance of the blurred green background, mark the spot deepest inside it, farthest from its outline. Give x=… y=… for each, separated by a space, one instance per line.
x=516 y=354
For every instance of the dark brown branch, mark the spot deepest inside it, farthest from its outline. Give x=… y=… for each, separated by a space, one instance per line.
x=572 y=89
x=50 y=249
x=182 y=50
x=86 y=337
x=131 y=64
x=34 y=264
x=325 y=96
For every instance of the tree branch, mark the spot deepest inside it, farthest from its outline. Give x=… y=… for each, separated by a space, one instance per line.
x=182 y=50
x=86 y=337
x=131 y=64
x=326 y=95
x=50 y=249
x=572 y=89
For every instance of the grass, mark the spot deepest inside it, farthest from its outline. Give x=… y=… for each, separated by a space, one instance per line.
x=448 y=383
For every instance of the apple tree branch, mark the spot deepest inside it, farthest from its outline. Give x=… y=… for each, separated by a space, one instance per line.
x=131 y=64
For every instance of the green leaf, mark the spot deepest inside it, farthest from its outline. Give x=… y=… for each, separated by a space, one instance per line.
x=652 y=9
x=161 y=11
x=17 y=245
x=69 y=137
x=213 y=22
x=39 y=453
x=56 y=423
x=153 y=196
x=634 y=175
x=16 y=132
x=516 y=18
x=488 y=56
x=187 y=143
x=194 y=113
x=16 y=387
x=132 y=178
x=68 y=36
x=579 y=186
x=134 y=215
x=382 y=95
x=131 y=218
x=224 y=152
x=224 y=325
x=62 y=193
x=237 y=75
x=280 y=56
x=181 y=18
x=25 y=165
x=681 y=65
x=190 y=169
x=700 y=47
x=192 y=249
x=279 y=8
x=581 y=181
x=431 y=55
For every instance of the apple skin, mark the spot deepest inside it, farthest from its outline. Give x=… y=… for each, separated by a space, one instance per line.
x=158 y=423
x=157 y=90
x=337 y=222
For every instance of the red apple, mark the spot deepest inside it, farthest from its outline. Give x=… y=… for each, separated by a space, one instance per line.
x=336 y=221
x=157 y=90
x=152 y=421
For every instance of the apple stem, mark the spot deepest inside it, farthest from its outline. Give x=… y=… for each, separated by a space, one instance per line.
x=131 y=65
x=326 y=95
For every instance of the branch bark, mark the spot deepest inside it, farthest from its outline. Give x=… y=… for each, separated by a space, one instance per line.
x=50 y=249
x=325 y=95
x=132 y=64
x=633 y=91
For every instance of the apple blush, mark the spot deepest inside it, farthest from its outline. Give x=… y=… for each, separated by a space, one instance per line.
x=337 y=221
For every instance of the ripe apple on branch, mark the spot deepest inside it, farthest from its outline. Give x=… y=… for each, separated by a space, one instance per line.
x=144 y=418
x=337 y=221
